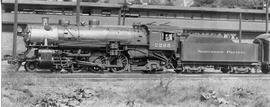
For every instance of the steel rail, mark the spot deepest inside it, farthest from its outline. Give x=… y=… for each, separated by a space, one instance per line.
x=138 y=76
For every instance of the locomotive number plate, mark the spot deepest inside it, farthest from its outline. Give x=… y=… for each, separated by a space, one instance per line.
x=162 y=45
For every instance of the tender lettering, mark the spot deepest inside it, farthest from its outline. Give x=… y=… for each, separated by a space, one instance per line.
x=221 y=52
x=208 y=51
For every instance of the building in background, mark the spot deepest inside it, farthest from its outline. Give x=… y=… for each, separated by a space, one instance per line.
x=194 y=20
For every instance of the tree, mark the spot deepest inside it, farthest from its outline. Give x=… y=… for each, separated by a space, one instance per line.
x=204 y=3
x=228 y=3
x=169 y=3
x=154 y=2
x=90 y=0
x=245 y=4
x=136 y=2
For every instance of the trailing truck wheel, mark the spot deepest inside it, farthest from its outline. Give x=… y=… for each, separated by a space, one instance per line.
x=53 y=70
x=95 y=69
x=178 y=71
x=153 y=71
x=30 y=66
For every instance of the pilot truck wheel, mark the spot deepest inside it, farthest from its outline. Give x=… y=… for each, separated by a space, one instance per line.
x=30 y=66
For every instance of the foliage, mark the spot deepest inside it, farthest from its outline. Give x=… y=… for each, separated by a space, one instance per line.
x=245 y=4
x=136 y=2
x=204 y=3
x=228 y=3
x=154 y=2
x=162 y=2
x=19 y=90
x=169 y=3
x=90 y=0
x=96 y=1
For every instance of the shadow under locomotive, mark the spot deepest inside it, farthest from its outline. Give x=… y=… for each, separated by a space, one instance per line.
x=148 y=48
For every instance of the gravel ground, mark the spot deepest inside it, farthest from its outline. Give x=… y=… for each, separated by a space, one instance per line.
x=32 y=90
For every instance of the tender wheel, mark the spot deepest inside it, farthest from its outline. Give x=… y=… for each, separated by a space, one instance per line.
x=233 y=72
x=186 y=71
x=201 y=71
x=225 y=70
x=153 y=71
x=265 y=68
x=54 y=70
x=265 y=71
x=178 y=71
x=249 y=71
x=30 y=66
x=121 y=60
x=97 y=69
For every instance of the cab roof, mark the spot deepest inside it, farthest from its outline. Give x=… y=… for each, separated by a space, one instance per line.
x=207 y=39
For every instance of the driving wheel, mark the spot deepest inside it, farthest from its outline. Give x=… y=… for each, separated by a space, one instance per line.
x=123 y=61
x=98 y=60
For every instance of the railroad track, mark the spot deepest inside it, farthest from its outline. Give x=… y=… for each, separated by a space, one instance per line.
x=140 y=76
x=159 y=76
x=124 y=76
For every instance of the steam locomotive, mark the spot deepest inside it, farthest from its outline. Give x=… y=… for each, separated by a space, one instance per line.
x=98 y=48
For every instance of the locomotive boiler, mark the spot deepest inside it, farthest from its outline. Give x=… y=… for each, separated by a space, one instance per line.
x=97 y=48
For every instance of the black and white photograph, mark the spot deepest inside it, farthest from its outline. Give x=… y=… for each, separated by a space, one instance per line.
x=135 y=53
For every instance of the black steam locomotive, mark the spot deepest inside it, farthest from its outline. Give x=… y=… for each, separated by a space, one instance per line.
x=99 y=48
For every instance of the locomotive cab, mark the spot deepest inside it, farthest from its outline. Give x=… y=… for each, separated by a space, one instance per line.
x=161 y=40
x=263 y=41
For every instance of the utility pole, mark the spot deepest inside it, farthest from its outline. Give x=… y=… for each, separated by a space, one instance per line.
x=240 y=27
x=119 y=16
x=124 y=9
x=267 y=16
x=78 y=10
x=15 y=25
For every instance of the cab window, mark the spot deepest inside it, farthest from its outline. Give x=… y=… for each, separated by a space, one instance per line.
x=167 y=36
